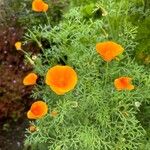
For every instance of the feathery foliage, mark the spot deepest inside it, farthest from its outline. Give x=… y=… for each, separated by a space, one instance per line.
x=94 y=116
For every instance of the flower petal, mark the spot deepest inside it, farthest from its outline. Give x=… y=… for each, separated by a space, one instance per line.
x=30 y=79
x=37 y=110
x=109 y=50
x=123 y=83
x=61 y=79
x=39 y=6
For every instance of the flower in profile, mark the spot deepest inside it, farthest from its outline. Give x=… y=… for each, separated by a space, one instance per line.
x=38 y=110
x=61 y=79
x=39 y=6
x=18 y=45
x=109 y=50
x=123 y=83
x=30 y=79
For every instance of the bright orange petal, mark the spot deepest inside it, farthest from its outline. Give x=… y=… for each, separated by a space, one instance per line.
x=39 y=6
x=130 y=87
x=59 y=91
x=30 y=79
x=30 y=115
x=117 y=84
x=61 y=79
x=109 y=50
x=45 y=7
x=123 y=83
x=37 y=110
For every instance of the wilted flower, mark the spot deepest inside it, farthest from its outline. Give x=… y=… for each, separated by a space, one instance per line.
x=32 y=128
x=109 y=50
x=30 y=79
x=61 y=79
x=39 y=6
x=123 y=83
x=37 y=110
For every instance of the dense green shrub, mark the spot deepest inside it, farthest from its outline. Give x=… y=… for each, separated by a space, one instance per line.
x=94 y=116
x=140 y=16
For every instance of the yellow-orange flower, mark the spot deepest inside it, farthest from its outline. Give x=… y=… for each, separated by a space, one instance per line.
x=39 y=6
x=109 y=50
x=18 y=45
x=38 y=110
x=61 y=79
x=123 y=83
x=30 y=79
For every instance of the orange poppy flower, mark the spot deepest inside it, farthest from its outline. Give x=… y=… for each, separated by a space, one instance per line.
x=37 y=110
x=39 y=6
x=61 y=79
x=123 y=83
x=18 y=45
x=30 y=79
x=109 y=50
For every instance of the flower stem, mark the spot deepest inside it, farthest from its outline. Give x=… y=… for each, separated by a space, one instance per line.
x=27 y=56
x=39 y=43
x=47 y=19
x=106 y=73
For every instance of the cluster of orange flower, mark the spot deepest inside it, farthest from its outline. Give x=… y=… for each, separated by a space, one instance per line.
x=62 y=79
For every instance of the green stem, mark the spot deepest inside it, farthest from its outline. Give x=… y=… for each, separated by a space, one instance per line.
x=39 y=44
x=27 y=56
x=106 y=73
x=105 y=33
x=47 y=19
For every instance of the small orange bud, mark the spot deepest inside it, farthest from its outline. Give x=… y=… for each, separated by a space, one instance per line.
x=18 y=45
x=39 y=6
x=30 y=79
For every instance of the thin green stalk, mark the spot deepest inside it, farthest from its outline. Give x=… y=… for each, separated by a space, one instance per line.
x=47 y=19
x=27 y=56
x=39 y=44
x=105 y=33
x=106 y=73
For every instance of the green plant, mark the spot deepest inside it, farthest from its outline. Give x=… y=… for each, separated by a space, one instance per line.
x=94 y=116
x=140 y=16
x=22 y=11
